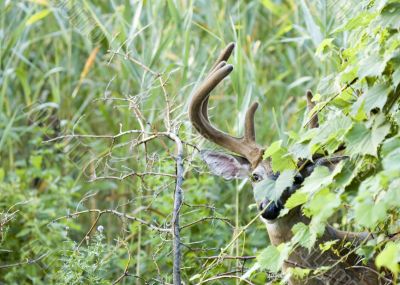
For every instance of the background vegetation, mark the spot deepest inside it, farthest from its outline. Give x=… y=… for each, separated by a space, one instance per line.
x=88 y=70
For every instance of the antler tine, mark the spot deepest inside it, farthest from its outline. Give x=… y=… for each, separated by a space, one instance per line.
x=219 y=63
x=249 y=129
x=205 y=102
x=223 y=56
x=310 y=105
x=245 y=146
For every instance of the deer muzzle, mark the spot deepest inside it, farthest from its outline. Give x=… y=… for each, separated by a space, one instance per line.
x=271 y=209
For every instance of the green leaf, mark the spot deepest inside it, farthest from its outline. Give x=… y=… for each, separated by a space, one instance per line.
x=280 y=157
x=347 y=173
x=37 y=16
x=322 y=204
x=299 y=273
x=319 y=178
x=392 y=195
x=296 y=199
x=389 y=258
x=263 y=189
x=195 y=277
x=301 y=151
x=368 y=213
x=273 y=189
x=362 y=140
x=335 y=129
x=327 y=245
x=325 y=45
x=390 y=145
x=303 y=236
x=390 y=16
x=372 y=65
x=36 y=161
x=284 y=181
x=375 y=97
x=392 y=161
x=396 y=77
x=361 y=20
x=272 y=149
x=272 y=258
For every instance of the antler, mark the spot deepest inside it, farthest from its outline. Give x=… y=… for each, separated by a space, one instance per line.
x=246 y=145
x=313 y=123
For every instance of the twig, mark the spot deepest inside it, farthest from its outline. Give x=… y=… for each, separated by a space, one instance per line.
x=372 y=270
x=29 y=261
x=125 y=273
x=133 y=173
x=167 y=103
x=208 y=218
x=95 y=136
x=118 y=214
x=225 y=276
x=135 y=61
x=249 y=257
x=235 y=237
x=178 y=198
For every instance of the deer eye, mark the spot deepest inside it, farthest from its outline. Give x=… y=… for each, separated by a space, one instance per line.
x=256 y=177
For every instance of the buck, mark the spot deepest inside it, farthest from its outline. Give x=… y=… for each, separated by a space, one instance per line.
x=345 y=268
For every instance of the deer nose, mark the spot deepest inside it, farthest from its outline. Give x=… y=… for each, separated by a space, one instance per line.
x=270 y=209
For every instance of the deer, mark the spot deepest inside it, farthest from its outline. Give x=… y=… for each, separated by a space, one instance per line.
x=247 y=162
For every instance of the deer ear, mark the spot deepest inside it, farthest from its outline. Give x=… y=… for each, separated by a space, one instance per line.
x=226 y=165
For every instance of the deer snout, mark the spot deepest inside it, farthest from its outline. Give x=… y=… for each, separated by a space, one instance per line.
x=270 y=209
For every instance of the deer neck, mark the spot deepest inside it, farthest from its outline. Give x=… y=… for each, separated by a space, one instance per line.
x=280 y=230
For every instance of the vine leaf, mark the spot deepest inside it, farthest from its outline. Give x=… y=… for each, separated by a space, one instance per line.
x=374 y=97
x=272 y=257
x=389 y=258
x=363 y=140
x=281 y=159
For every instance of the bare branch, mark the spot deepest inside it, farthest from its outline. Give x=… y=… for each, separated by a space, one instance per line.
x=227 y=221
x=29 y=261
x=125 y=273
x=178 y=198
x=224 y=277
x=250 y=257
x=118 y=214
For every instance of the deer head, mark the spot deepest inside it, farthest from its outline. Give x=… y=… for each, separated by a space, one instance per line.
x=248 y=161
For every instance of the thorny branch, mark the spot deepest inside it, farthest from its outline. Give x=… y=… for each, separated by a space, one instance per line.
x=116 y=213
x=125 y=273
x=144 y=136
x=28 y=261
x=178 y=194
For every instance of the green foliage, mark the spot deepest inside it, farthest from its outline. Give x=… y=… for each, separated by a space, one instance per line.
x=68 y=72
x=273 y=189
x=272 y=258
x=280 y=158
x=87 y=266
x=358 y=107
x=390 y=257
x=65 y=69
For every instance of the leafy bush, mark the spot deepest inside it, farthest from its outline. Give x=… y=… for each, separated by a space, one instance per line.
x=359 y=108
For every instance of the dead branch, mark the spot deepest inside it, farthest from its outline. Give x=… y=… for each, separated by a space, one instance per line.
x=116 y=213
